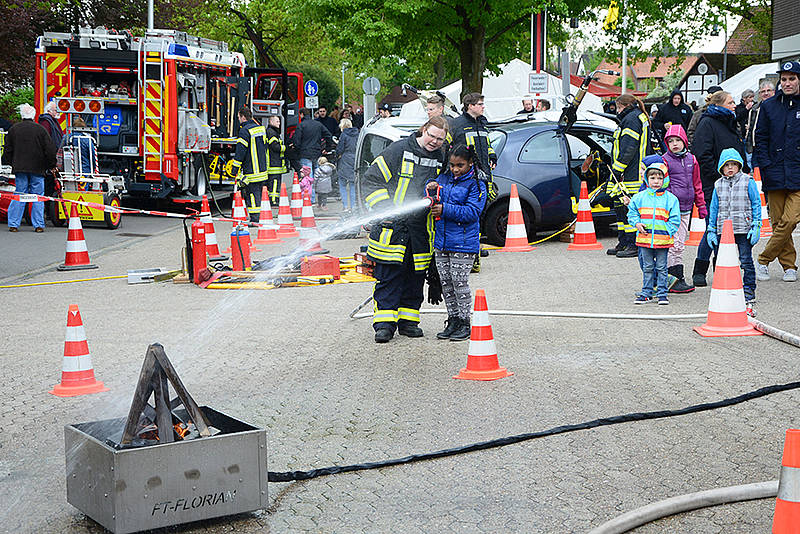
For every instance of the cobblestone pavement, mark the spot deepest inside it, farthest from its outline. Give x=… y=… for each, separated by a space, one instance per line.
x=291 y=361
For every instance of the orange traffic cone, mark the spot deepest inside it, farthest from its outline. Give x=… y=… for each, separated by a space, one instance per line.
x=585 y=238
x=77 y=256
x=516 y=235
x=726 y=307
x=309 y=234
x=212 y=247
x=766 y=227
x=482 y=361
x=787 y=506
x=240 y=214
x=267 y=230
x=697 y=228
x=77 y=375
x=285 y=225
x=297 y=199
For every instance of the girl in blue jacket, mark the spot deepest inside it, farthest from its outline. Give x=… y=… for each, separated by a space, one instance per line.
x=456 y=213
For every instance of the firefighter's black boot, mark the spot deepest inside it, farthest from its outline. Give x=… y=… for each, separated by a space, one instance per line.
x=452 y=325
x=699 y=273
x=616 y=248
x=462 y=332
x=409 y=329
x=630 y=251
x=383 y=335
x=680 y=286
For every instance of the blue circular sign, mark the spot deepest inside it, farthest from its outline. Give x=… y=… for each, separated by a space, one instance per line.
x=311 y=88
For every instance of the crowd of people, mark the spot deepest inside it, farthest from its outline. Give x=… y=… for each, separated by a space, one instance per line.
x=705 y=160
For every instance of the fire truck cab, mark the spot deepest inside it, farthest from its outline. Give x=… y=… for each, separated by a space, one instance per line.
x=169 y=103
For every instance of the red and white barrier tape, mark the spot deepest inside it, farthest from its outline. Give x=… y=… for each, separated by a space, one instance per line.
x=111 y=209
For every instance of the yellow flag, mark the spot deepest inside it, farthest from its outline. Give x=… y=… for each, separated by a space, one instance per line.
x=613 y=16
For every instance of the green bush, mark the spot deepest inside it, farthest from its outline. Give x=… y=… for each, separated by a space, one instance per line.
x=9 y=102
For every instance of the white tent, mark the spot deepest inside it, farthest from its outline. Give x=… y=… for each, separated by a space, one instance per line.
x=504 y=93
x=749 y=78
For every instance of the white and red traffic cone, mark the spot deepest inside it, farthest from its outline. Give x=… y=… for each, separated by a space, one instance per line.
x=482 y=362
x=297 y=199
x=77 y=373
x=585 y=238
x=285 y=224
x=766 y=227
x=697 y=228
x=516 y=234
x=240 y=214
x=309 y=234
x=212 y=246
x=267 y=230
x=77 y=256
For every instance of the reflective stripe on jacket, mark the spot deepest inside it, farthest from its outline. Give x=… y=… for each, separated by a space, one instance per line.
x=276 y=155
x=660 y=213
x=398 y=177
x=251 y=153
x=631 y=145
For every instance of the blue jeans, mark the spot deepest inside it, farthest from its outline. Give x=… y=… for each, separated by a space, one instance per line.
x=27 y=183
x=654 y=269
x=746 y=262
x=348 y=202
x=313 y=164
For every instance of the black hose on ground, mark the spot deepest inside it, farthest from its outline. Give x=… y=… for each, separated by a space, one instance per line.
x=289 y=476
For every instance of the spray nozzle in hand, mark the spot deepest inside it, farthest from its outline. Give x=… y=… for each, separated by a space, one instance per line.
x=433 y=192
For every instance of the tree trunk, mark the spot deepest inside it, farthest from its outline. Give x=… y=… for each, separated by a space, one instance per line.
x=472 y=51
x=438 y=71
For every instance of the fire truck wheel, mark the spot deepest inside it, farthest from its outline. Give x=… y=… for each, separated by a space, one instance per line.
x=52 y=212
x=113 y=220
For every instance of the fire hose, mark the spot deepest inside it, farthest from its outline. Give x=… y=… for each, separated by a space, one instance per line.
x=289 y=476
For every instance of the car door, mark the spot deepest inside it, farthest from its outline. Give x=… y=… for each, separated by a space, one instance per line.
x=543 y=169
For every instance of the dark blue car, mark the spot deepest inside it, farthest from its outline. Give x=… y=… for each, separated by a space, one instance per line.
x=546 y=166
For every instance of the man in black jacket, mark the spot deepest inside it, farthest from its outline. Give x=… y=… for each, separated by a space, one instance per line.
x=31 y=152
x=310 y=139
x=674 y=111
x=328 y=122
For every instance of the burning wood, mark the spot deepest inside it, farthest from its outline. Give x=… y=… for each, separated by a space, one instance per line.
x=148 y=425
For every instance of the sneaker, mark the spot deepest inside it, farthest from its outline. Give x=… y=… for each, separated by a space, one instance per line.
x=790 y=275
x=762 y=272
x=39 y=230
x=13 y=229
x=641 y=299
x=663 y=301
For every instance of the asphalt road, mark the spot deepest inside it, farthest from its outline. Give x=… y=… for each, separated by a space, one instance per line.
x=291 y=361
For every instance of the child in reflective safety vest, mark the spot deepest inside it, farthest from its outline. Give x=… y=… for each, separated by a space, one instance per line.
x=656 y=215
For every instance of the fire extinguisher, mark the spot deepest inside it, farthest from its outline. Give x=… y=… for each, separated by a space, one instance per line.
x=240 y=248
x=198 y=250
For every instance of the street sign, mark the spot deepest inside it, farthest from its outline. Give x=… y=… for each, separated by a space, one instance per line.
x=312 y=102
x=371 y=86
x=311 y=88
x=537 y=83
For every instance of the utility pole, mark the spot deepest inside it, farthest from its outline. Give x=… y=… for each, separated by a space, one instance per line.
x=149 y=15
x=344 y=65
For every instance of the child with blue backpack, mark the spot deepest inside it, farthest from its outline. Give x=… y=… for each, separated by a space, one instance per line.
x=736 y=197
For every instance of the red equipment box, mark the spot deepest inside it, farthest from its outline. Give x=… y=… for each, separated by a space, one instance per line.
x=320 y=265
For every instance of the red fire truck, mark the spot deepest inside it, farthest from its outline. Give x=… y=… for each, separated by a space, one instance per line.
x=169 y=120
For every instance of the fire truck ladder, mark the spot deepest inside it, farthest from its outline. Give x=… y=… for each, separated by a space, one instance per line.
x=152 y=73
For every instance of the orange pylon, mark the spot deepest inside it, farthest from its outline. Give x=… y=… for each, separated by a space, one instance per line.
x=297 y=199
x=77 y=256
x=482 y=363
x=240 y=214
x=766 y=227
x=309 y=234
x=212 y=246
x=585 y=238
x=697 y=228
x=787 y=506
x=267 y=230
x=285 y=225
x=77 y=374
x=516 y=235
x=727 y=315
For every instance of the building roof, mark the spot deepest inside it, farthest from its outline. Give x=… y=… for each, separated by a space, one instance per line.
x=603 y=90
x=646 y=68
x=745 y=40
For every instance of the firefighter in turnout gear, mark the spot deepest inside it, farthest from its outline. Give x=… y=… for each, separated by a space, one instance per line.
x=470 y=129
x=631 y=145
x=402 y=246
x=250 y=162
x=276 y=163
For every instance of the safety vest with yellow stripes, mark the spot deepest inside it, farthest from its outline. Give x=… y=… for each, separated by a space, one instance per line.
x=631 y=145
x=251 y=153
x=276 y=163
x=467 y=130
x=397 y=177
